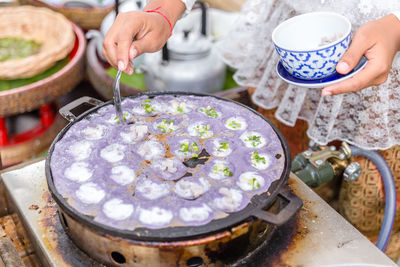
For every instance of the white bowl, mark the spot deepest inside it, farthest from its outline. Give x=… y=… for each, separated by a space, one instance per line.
x=311 y=45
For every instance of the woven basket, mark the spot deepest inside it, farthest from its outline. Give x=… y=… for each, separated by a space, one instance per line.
x=363 y=201
x=86 y=17
x=48 y=28
x=32 y=96
x=13 y=154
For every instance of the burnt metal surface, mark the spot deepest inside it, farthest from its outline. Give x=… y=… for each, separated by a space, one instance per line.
x=52 y=246
x=56 y=239
x=253 y=209
x=201 y=159
x=317 y=236
x=276 y=243
x=219 y=249
x=8 y=253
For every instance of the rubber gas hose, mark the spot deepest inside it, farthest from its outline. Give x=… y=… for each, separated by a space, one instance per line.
x=390 y=193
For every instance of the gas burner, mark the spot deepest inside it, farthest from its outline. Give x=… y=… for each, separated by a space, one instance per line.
x=317 y=236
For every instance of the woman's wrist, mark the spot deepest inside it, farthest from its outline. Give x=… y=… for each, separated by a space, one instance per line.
x=395 y=25
x=160 y=13
x=171 y=9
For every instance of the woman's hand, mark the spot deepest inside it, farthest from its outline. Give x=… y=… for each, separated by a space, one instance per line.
x=379 y=42
x=134 y=33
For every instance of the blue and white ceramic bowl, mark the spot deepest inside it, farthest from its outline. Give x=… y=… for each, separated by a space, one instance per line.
x=310 y=45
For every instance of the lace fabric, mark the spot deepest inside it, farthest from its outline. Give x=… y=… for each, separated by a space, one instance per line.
x=369 y=118
x=189 y=3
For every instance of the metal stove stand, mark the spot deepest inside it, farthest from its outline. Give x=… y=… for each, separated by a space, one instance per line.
x=318 y=236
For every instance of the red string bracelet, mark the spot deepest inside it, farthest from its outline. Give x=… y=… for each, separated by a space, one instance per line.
x=156 y=10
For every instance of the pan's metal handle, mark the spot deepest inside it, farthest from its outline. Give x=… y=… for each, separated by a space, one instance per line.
x=72 y=110
x=285 y=214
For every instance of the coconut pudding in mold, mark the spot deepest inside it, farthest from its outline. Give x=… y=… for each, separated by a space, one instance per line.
x=177 y=161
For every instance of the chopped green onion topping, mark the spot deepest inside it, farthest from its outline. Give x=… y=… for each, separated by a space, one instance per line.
x=210 y=112
x=202 y=130
x=223 y=146
x=186 y=148
x=125 y=117
x=222 y=168
x=254 y=139
x=235 y=125
x=257 y=158
x=166 y=125
x=179 y=107
x=195 y=147
x=254 y=183
x=147 y=107
x=227 y=172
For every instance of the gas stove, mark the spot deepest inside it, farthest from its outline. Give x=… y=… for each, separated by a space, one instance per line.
x=317 y=236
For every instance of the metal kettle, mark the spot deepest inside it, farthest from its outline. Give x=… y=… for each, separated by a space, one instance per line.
x=188 y=63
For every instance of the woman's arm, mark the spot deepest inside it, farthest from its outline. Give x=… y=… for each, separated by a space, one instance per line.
x=379 y=42
x=137 y=32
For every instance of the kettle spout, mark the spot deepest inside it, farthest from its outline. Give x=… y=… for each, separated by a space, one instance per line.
x=94 y=34
x=141 y=68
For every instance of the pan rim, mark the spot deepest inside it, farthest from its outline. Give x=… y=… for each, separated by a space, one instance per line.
x=178 y=233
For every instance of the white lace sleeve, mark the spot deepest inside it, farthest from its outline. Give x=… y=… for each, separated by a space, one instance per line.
x=189 y=4
x=397 y=14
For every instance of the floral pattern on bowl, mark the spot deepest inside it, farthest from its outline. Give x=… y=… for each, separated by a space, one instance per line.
x=317 y=64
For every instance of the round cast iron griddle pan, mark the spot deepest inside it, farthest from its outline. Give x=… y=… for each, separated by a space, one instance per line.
x=253 y=209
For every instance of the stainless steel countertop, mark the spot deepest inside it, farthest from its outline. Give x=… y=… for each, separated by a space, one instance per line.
x=324 y=237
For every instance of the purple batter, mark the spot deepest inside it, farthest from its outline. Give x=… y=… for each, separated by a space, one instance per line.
x=185 y=160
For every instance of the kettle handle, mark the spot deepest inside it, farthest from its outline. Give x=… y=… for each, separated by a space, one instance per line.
x=203 y=8
x=203 y=31
x=165 y=53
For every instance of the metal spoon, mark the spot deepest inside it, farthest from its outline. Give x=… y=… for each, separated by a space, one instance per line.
x=117 y=98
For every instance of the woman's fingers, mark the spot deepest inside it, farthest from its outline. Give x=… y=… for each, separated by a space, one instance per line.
x=105 y=54
x=118 y=41
x=132 y=52
x=379 y=42
x=129 y=70
x=132 y=34
x=152 y=40
x=123 y=53
x=110 y=49
x=368 y=76
x=124 y=41
x=359 y=45
x=147 y=44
